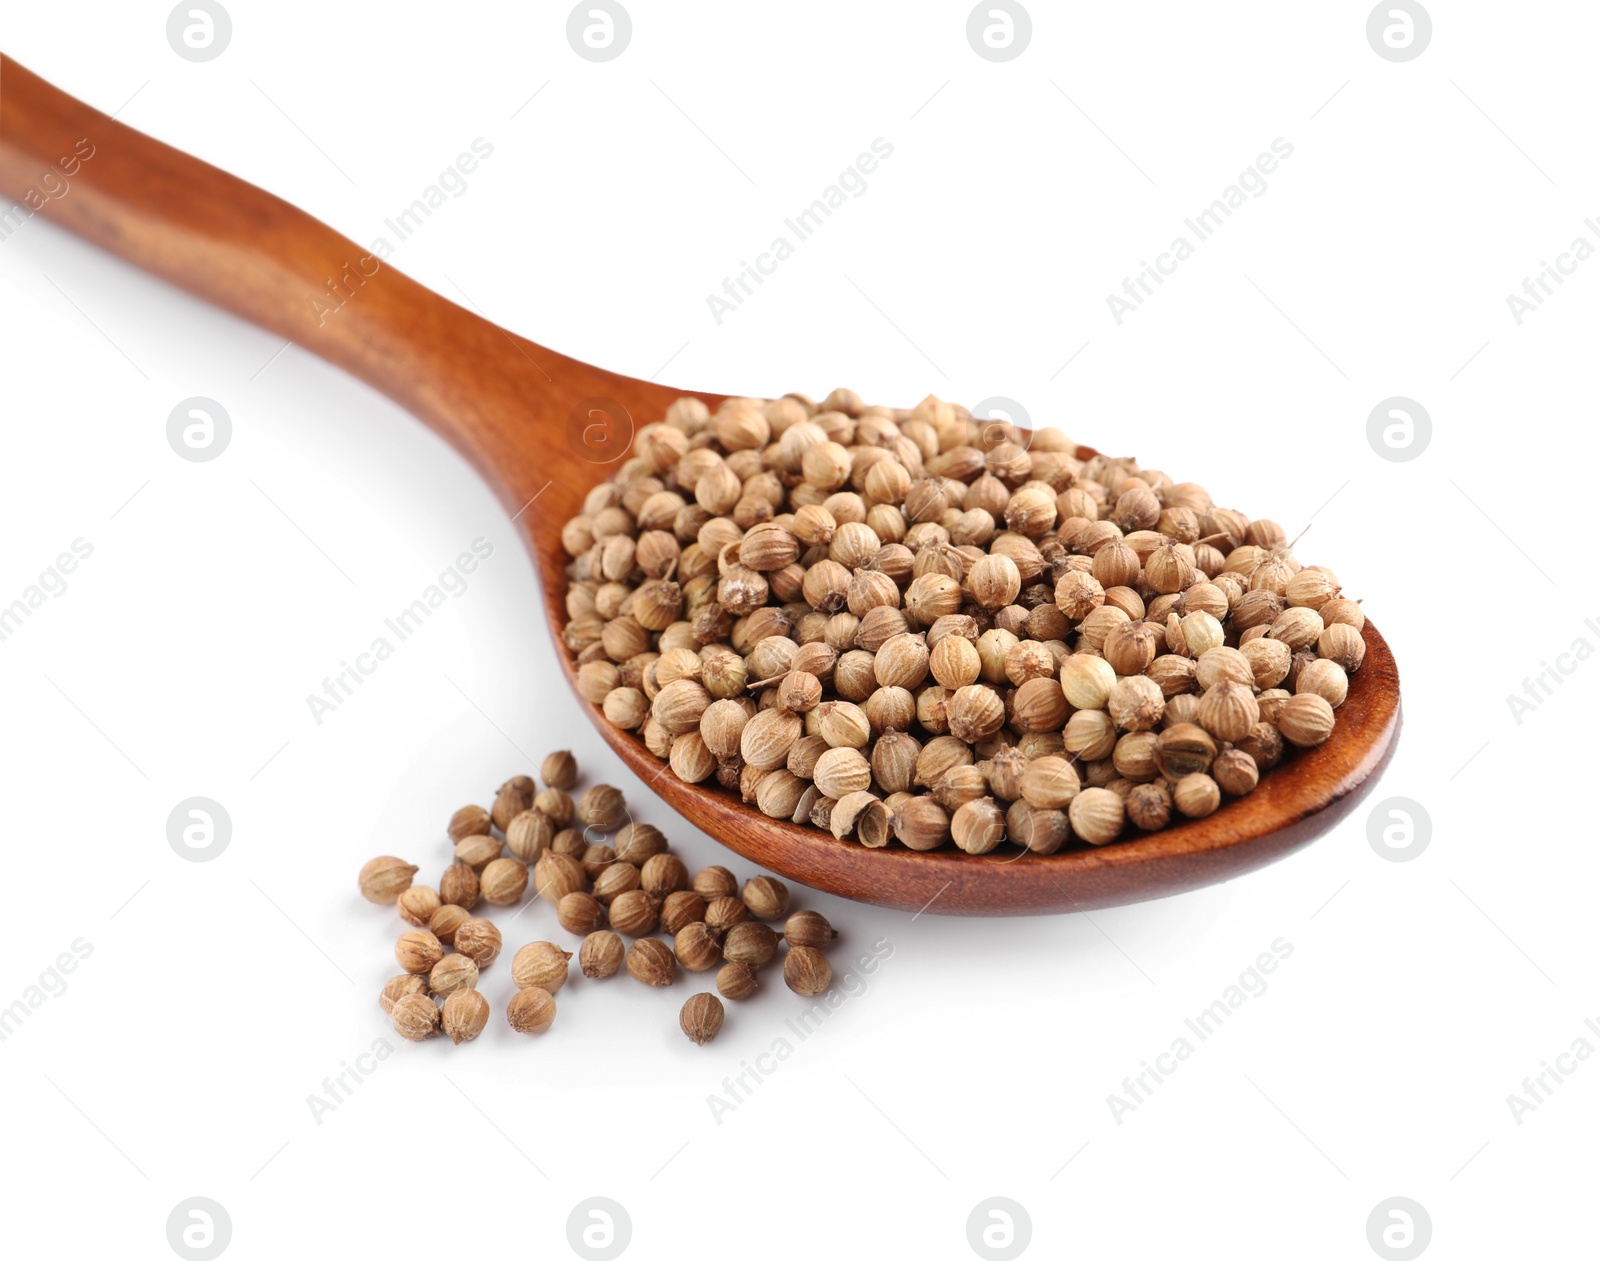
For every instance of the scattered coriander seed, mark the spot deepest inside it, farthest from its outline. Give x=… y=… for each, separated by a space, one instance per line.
x=595 y=859
x=540 y=963
x=556 y=806
x=560 y=770
x=602 y=808
x=635 y=913
x=736 y=981
x=722 y=913
x=601 y=954
x=572 y=843
x=806 y=971
x=417 y=951
x=663 y=874
x=751 y=942
x=556 y=875
x=503 y=882
x=618 y=878
x=651 y=962
x=529 y=834
x=531 y=1011
x=447 y=920
x=767 y=898
x=459 y=886
x=807 y=928
x=681 y=908
x=452 y=973
x=385 y=879
x=637 y=843
x=415 y=1017
x=464 y=1015
x=478 y=850
x=701 y=1018
x=397 y=987
x=469 y=821
x=513 y=797
x=696 y=947
x=479 y=940
x=417 y=905
x=580 y=914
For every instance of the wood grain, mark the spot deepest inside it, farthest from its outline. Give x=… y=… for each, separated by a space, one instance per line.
x=541 y=429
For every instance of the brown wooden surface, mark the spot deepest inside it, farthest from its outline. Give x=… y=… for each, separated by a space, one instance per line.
x=509 y=405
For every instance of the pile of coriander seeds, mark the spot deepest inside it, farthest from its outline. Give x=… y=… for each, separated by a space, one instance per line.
x=915 y=626
x=541 y=842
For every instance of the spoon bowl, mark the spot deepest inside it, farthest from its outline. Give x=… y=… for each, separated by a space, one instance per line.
x=542 y=429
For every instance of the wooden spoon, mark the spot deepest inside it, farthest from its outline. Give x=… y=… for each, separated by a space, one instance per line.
x=542 y=429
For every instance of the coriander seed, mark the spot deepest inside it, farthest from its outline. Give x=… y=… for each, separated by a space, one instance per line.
x=701 y=1018
x=806 y=971
x=766 y=897
x=736 y=981
x=385 y=879
x=650 y=962
x=580 y=914
x=1096 y=815
x=722 y=913
x=663 y=874
x=417 y=951
x=415 y=1017
x=635 y=913
x=751 y=942
x=529 y=835
x=681 y=908
x=1306 y=720
x=559 y=770
x=469 y=821
x=459 y=886
x=603 y=808
x=417 y=905
x=397 y=987
x=556 y=875
x=808 y=928
x=542 y=964
x=447 y=920
x=601 y=954
x=452 y=973
x=464 y=1015
x=479 y=940
x=531 y=1011
x=503 y=882
x=696 y=946
x=618 y=878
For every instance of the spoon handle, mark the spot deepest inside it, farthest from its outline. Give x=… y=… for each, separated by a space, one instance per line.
x=253 y=254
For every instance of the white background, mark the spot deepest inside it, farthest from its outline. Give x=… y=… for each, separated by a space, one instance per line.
x=979 y=1059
